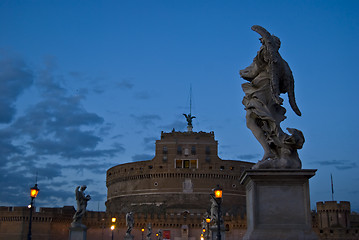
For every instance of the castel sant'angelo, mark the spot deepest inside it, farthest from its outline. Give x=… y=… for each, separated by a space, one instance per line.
x=178 y=179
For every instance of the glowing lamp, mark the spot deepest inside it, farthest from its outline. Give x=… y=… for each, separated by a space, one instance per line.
x=112 y=227
x=113 y=219
x=208 y=219
x=142 y=229
x=204 y=230
x=217 y=192
x=34 y=191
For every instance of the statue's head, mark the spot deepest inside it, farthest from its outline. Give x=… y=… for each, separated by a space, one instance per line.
x=83 y=187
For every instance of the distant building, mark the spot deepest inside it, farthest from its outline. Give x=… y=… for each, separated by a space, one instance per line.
x=335 y=221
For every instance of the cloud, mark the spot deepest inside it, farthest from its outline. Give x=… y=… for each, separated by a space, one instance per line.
x=56 y=128
x=249 y=156
x=143 y=95
x=125 y=84
x=177 y=125
x=15 y=77
x=146 y=119
x=149 y=143
x=142 y=157
x=338 y=164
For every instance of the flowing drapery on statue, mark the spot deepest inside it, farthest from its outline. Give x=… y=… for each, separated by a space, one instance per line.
x=81 y=200
x=269 y=76
x=129 y=222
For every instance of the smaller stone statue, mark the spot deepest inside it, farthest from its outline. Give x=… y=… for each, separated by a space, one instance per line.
x=149 y=231
x=81 y=200
x=214 y=211
x=129 y=223
x=160 y=235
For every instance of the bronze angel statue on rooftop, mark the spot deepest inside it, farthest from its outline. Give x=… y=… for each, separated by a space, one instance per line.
x=268 y=76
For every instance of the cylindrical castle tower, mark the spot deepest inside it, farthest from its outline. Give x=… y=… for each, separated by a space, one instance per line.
x=178 y=179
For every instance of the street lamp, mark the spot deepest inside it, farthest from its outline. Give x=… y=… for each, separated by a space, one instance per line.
x=33 y=193
x=142 y=230
x=208 y=220
x=113 y=220
x=217 y=196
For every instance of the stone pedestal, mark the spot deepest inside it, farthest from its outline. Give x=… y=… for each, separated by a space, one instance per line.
x=128 y=237
x=77 y=231
x=214 y=230
x=278 y=204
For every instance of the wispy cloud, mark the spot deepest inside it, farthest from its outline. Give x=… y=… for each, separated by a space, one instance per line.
x=142 y=95
x=149 y=143
x=177 y=125
x=338 y=164
x=15 y=77
x=249 y=156
x=125 y=84
x=146 y=119
x=45 y=136
x=142 y=157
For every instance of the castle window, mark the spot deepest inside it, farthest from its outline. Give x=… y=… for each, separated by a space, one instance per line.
x=164 y=158
x=150 y=167
x=232 y=168
x=208 y=150
x=221 y=168
x=193 y=150
x=164 y=150
x=178 y=163
x=186 y=151
x=193 y=163
x=179 y=150
x=208 y=159
x=186 y=163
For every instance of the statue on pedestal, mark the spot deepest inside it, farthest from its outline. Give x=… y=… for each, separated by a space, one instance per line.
x=149 y=231
x=81 y=200
x=269 y=75
x=129 y=223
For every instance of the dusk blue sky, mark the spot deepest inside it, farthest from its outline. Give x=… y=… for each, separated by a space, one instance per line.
x=87 y=85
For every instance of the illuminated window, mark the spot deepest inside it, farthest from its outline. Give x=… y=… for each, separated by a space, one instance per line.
x=193 y=163
x=185 y=163
x=178 y=163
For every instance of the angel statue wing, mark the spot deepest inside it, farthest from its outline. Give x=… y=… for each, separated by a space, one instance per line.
x=282 y=80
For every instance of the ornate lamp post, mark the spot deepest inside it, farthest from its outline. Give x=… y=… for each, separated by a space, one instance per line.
x=142 y=230
x=33 y=193
x=113 y=220
x=217 y=196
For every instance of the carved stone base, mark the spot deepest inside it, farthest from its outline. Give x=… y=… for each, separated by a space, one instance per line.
x=278 y=204
x=77 y=231
x=128 y=237
x=214 y=230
